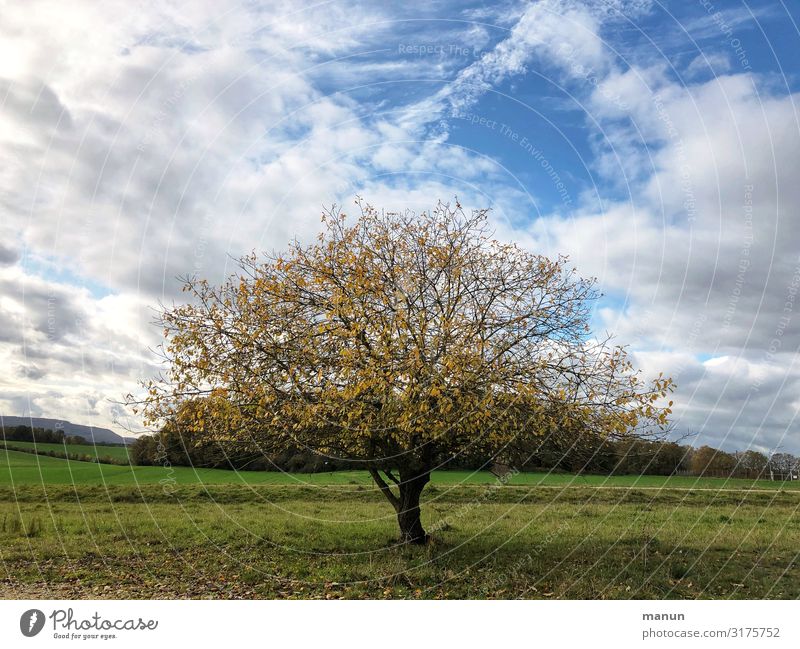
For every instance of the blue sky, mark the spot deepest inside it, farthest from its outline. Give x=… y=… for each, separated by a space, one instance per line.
x=655 y=143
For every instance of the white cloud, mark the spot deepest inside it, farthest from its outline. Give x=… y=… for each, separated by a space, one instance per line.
x=141 y=143
x=698 y=238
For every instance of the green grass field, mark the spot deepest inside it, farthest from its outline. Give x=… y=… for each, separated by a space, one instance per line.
x=26 y=468
x=83 y=530
x=100 y=451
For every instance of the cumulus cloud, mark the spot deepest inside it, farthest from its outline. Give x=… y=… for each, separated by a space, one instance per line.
x=142 y=144
x=138 y=146
x=8 y=255
x=697 y=237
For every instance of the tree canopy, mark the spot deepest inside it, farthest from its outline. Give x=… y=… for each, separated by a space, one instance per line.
x=398 y=340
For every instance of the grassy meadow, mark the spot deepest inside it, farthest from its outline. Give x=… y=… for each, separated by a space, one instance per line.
x=99 y=451
x=72 y=529
x=26 y=468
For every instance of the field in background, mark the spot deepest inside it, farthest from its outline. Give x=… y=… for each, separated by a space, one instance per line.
x=98 y=451
x=26 y=468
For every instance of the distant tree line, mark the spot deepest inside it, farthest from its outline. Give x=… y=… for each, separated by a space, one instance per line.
x=40 y=435
x=588 y=454
x=170 y=449
x=569 y=454
x=576 y=454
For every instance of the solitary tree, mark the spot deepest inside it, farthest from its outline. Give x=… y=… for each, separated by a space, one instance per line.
x=398 y=341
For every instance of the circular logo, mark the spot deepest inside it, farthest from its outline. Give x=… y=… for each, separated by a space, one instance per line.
x=31 y=622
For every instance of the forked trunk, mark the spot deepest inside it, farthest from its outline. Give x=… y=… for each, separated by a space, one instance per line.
x=408 y=512
x=410 y=486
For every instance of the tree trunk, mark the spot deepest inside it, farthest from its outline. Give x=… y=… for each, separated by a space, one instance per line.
x=408 y=513
x=410 y=485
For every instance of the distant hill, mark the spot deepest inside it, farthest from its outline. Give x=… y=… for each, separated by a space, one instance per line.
x=91 y=433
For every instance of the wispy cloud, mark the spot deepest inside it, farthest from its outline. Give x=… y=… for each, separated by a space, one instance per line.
x=139 y=144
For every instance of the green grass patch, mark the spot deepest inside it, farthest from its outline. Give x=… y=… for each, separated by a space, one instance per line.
x=72 y=529
x=79 y=452
x=330 y=542
x=96 y=450
x=17 y=468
